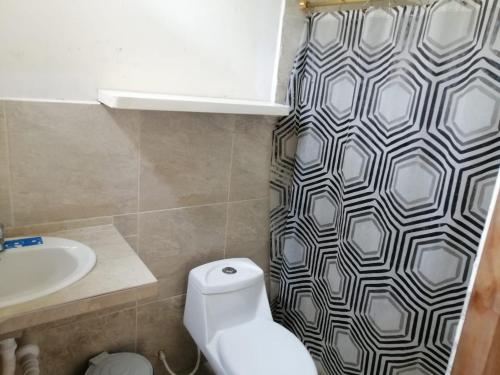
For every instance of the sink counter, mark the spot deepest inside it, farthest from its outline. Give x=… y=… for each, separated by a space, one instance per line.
x=118 y=277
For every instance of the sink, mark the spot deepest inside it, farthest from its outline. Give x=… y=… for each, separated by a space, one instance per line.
x=35 y=271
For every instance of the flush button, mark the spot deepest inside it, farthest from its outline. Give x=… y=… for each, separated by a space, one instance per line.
x=229 y=270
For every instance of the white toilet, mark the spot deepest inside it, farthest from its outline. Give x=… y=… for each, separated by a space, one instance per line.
x=228 y=315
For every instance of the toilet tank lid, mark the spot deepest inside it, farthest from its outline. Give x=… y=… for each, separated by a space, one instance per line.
x=225 y=275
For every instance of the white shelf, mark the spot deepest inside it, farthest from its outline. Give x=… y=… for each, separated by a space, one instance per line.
x=160 y=102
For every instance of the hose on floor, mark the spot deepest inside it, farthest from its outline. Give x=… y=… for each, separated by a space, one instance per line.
x=163 y=358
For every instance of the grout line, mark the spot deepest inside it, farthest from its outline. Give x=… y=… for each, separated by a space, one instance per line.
x=111 y=218
x=83 y=220
x=83 y=318
x=9 y=165
x=203 y=205
x=139 y=144
x=184 y=207
x=250 y=200
x=161 y=300
x=136 y=324
x=231 y=155
x=226 y=226
x=124 y=214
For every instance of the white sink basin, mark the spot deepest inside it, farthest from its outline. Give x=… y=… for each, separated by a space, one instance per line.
x=35 y=271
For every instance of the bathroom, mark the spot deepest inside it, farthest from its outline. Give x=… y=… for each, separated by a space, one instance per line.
x=243 y=187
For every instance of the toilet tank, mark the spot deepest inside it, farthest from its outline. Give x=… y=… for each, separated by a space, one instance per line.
x=222 y=294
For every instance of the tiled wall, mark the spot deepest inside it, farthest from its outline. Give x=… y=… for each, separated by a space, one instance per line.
x=183 y=189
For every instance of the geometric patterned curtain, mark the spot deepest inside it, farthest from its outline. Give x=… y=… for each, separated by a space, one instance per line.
x=381 y=179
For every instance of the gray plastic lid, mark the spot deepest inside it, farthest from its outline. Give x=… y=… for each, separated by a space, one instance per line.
x=119 y=364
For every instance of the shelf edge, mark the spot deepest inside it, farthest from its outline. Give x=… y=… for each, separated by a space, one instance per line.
x=158 y=102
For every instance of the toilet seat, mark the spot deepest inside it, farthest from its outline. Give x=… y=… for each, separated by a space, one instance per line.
x=262 y=348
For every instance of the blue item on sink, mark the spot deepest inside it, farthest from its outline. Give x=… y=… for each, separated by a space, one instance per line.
x=22 y=242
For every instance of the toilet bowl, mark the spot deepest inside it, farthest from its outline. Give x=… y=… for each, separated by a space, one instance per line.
x=228 y=315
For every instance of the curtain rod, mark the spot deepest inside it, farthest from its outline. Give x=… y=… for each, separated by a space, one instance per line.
x=304 y=4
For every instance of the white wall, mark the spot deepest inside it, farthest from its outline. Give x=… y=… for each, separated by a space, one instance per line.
x=67 y=49
x=293 y=33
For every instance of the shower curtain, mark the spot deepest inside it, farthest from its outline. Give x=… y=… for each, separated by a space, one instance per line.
x=381 y=179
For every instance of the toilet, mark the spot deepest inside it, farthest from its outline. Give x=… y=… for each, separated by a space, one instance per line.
x=228 y=315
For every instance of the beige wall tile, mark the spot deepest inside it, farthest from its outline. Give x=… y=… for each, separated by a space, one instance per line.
x=71 y=161
x=132 y=241
x=58 y=226
x=82 y=318
x=66 y=349
x=184 y=159
x=126 y=224
x=5 y=202
x=160 y=327
x=248 y=231
x=172 y=242
x=77 y=165
x=164 y=291
x=251 y=157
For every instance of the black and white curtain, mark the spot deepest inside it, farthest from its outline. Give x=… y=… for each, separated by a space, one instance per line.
x=381 y=179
